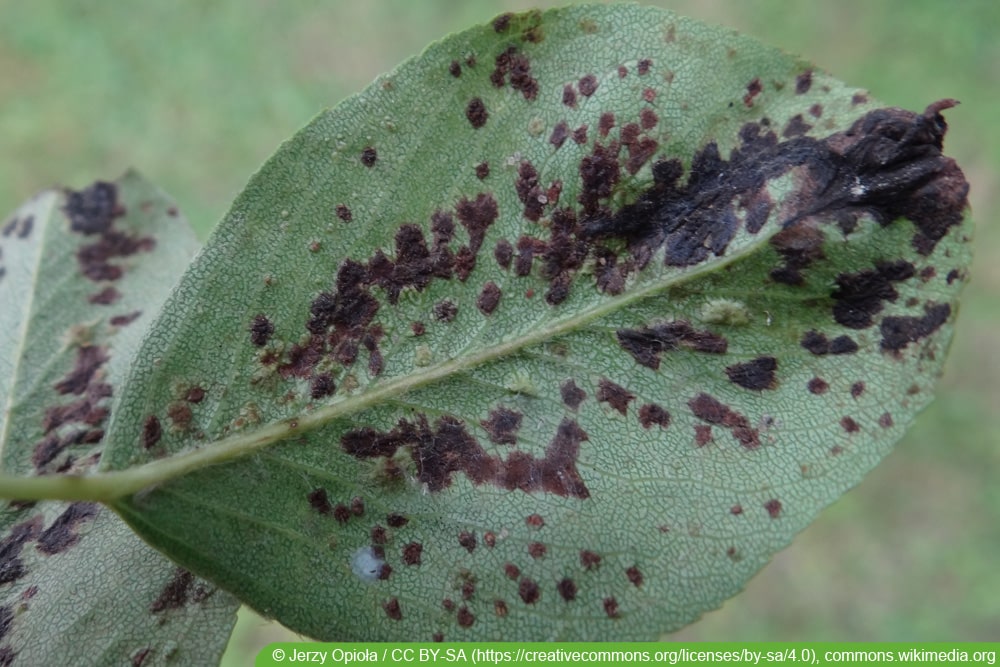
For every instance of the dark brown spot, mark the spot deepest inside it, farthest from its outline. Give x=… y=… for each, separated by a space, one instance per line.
x=710 y=410
x=502 y=22
x=92 y=210
x=465 y=617
x=175 y=594
x=702 y=434
x=648 y=119
x=569 y=96
x=859 y=98
x=587 y=85
x=511 y=571
x=849 y=425
x=622 y=71
x=151 y=432
x=392 y=609
x=449 y=448
x=756 y=375
x=445 y=311
x=105 y=297
x=803 y=82
x=319 y=501
x=816 y=110
x=489 y=298
x=589 y=560
x=476 y=112
x=396 y=520
x=651 y=413
x=536 y=549
x=500 y=608
x=467 y=540
x=344 y=213
x=476 y=215
x=261 y=330
x=580 y=135
x=773 y=507
x=605 y=123
x=529 y=591
x=559 y=134
x=643 y=67
x=502 y=426
x=378 y=535
x=567 y=589
x=503 y=252
x=898 y=332
x=857 y=389
x=754 y=89
x=12 y=566
x=369 y=156
x=438 y=636
x=89 y=359
x=885 y=421
x=860 y=296
x=124 y=320
x=572 y=395
x=648 y=344
x=614 y=395
x=322 y=385
x=341 y=513
x=736 y=510
x=516 y=65
x=418 y=328
x=634 y=576
x=455 y=69
x=611 y=607
x=796 y=127
x=482 y=170
x=535 y=520
x=412 y=553
x=358 y=506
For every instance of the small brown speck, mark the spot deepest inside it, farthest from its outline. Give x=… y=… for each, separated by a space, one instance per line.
x=500 y=607
x=369 y=156
x=611 y=607
x=393 y=610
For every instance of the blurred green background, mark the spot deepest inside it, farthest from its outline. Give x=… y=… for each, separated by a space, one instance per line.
x=198 y=94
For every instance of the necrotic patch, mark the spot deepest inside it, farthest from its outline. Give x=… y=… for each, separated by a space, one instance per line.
x=476 y=112
x=567 y=589
x=448 y=448
x=711 y=410
x=614 y=395
x=62 y=534
x=887 y=165
x=755 y=375
x=647 y=345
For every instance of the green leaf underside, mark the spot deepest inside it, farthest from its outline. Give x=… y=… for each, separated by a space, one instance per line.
x=529 y=383
x=81 y=276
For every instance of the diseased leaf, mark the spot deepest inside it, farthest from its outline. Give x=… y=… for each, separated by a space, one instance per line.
x=558 y=331
x=81 y=275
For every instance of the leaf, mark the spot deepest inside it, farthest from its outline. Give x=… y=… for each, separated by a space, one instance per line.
x=558 y=331
x=81 y=275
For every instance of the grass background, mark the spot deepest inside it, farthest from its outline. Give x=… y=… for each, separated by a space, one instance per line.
x=197 y=95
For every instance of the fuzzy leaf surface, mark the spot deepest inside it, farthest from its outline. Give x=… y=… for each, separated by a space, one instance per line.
x=81 y=276
x=558 y=331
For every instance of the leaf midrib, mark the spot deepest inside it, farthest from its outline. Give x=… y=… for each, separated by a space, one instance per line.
x=109 y=486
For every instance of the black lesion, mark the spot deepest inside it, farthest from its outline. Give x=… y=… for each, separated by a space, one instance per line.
x=887 y=165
